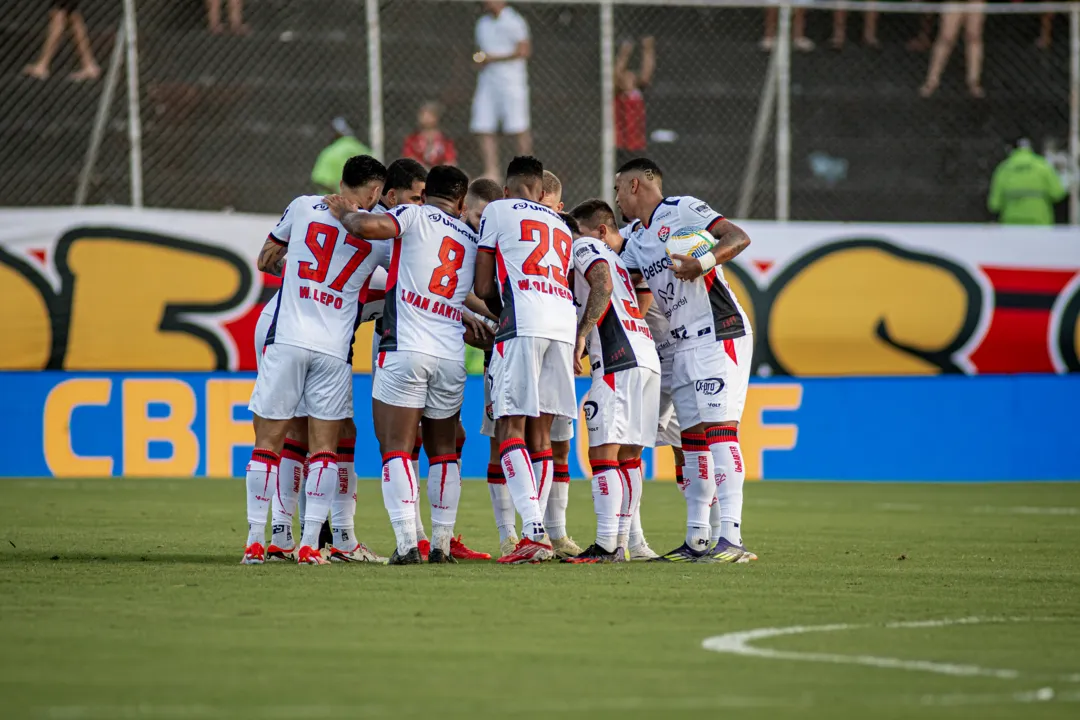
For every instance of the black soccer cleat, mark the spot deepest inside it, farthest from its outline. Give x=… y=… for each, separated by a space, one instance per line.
x=326 y=537
x=410 y=558
x=595 y=554
x=438 y=557
x=683 y=553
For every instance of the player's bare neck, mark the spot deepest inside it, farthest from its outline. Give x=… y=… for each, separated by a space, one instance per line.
x=447 y=206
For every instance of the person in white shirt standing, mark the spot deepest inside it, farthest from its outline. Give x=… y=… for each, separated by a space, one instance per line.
x=305 y=364
x=502 y=84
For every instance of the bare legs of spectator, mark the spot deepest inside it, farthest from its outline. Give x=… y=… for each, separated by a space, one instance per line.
x=89 y=69
x=236 y=17
x=1046 y=32
x=489 y=151
x=839 y=29
x=798 y=30
x=524 y=143
x=951 y=23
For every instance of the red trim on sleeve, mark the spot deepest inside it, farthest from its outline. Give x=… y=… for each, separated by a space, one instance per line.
x=717 y=219
x=485 y=249
x=283 y=243
x=396 y=224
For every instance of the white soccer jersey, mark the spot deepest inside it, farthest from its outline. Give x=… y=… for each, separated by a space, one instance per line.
x=532 y=247
x=654 y=316
x=621 y=339
x=432 y=263
x=317 y=305
x=702 y=311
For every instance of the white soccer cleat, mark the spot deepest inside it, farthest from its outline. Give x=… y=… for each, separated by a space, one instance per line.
x=642 y=553
x=360 y=554
x=565 y=547
x=507 y=546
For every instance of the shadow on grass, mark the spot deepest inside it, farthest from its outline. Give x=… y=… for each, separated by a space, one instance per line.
x=84 y=558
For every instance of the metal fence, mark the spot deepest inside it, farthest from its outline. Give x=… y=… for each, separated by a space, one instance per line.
x=166 y=110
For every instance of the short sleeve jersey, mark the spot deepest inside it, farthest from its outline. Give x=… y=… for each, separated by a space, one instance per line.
x=621 y=339
x=318 y=303
x=654 y=316
x=432 y=263
x=701 y=311
x=532 y=247
x=500 y=36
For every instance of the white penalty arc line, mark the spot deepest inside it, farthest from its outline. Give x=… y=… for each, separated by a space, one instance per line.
x=739 y=643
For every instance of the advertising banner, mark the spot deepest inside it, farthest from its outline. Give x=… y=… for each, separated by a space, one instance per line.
x=115 y=289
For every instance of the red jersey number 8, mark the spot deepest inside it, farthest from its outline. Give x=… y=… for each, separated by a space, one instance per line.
x=444 y=280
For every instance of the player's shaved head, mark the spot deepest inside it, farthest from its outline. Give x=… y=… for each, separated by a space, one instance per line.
x=361 y=170
x=644 y=167
x=447 y=182
x=638 y=188
x=593 y=213
x=525 y=178
x=485 y=190
x=552 y=184
x=571 y=223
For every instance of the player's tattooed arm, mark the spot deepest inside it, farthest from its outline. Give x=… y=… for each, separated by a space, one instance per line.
x=272 y=257
x=599 y=278
x=370 y=226
x=730 y=241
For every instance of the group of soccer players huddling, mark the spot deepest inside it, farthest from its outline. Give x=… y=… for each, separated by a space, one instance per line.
x=437 y=262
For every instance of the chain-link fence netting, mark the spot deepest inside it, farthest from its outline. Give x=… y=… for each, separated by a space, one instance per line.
x=238 y=99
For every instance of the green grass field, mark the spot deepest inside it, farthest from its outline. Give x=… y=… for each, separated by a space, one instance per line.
x=125 y=599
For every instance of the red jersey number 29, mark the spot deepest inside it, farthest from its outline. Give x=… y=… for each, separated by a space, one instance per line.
x=542 y=234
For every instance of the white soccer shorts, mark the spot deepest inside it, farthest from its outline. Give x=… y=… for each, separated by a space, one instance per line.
x=262 y=327
x=709 y=381
x=562 y=429
x=297 y=382
x=416 y=380
x=487 y=425
x=622 y=408
x=497 y=104
x=532 y=376
x=667 y=431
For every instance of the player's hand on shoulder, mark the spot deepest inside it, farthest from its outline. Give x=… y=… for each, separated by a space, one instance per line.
x=686 y=268
x=339 y=207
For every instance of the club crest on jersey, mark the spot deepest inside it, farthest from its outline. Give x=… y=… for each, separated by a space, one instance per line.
x=664 y=234
x=709 y=386
x=590 y=409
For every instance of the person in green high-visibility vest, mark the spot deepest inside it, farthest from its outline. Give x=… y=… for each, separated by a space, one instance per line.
x=1024 y=188
x=328 y=166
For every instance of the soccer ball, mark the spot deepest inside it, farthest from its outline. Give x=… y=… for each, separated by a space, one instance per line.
x=692 y=242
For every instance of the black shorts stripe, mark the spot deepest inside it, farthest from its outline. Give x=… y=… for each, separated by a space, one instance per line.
x=508 y=318
x=727 y=321
x=615 y=349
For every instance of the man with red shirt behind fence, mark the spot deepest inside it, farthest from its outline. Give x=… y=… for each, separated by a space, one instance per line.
x=630 y=135
x=429 y=145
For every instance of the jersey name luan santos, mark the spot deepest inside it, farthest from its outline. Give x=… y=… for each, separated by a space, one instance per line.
x=698 y=312
x=654 y=316
x=621 y=338
x=432 y=264
x=532 y=247
x=318 y=302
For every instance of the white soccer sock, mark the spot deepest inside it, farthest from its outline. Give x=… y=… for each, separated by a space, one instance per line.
x=730 y=478
x=637 y=534
x=290 y=480
x=607 y=492
x=700 y=489
x=343 y=504
x=558 y=501
x=444 y=494
x=544 y=472
x=262 y=472
x=631 y=471
x=714 y=520
x=518 y=471
x=502 y=505
x=322 y=482
x=301 y=497
x=415 y=460
x=399 y=496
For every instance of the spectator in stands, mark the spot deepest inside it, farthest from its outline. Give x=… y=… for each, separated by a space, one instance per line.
x=65 y=13
x=869 y=29
x=326 y=175
x=951 y=22
x=236 y=19
x=429 y=145
x=1046 y=32
x=502 y=84
x=798 y=30
x=1024 y=188
x=630 y=136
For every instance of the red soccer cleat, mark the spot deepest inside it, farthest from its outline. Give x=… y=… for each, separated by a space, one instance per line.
x=528 y=551
x=311 y=556
x=424 y=546
x=254 y=554
x=458 y=551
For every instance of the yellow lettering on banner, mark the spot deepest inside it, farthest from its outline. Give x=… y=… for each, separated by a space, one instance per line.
x=222 y=432
x=361 y=357
x=825 y=320
x=755 y=437
x=121 y=291
x=175 y=429
x=25 y=323
x=59 y=406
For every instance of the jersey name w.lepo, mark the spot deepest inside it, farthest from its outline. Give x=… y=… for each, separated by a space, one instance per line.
x=320 y=287
x=432 y=264
x=702 y=310
x=532 y=247
x=621 y=338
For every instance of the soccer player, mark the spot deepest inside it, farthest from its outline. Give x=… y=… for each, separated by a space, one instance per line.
x=532 y=372
x=622 y=410
x=556 y=498
x=421 y=364
x=307 y=349
x=713 y=346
